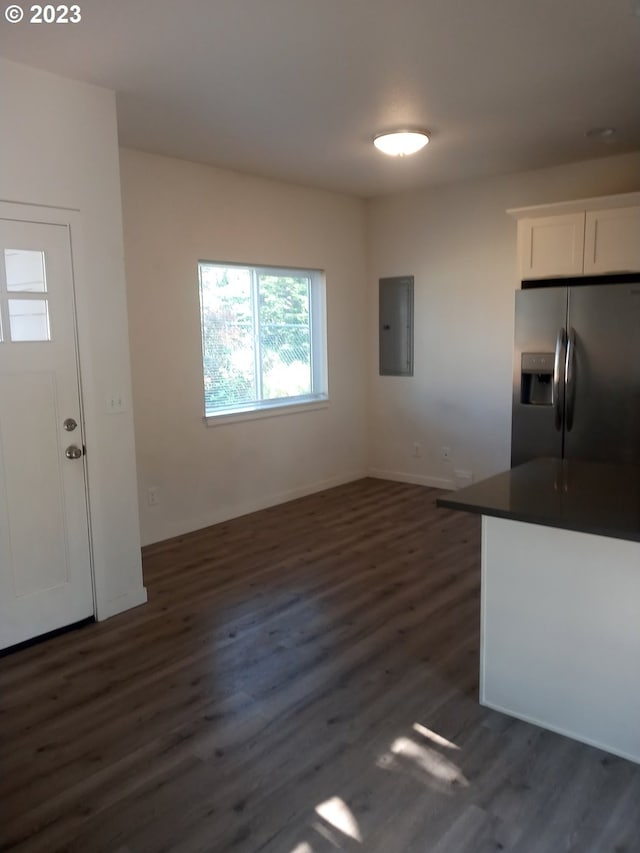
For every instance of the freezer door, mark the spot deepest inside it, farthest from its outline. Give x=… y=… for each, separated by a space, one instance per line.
x=603 y=387
x=538 y=388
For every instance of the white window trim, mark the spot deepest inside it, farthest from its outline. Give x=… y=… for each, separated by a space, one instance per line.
x=272 y=409
x=319 y=371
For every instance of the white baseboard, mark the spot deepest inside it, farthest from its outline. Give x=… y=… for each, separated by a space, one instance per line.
x=542 y=724
x=133 y=598
x=179 y=528
x=416 y=479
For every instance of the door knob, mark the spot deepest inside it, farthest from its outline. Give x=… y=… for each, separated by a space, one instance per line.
x=73 y=452
x=70 y=424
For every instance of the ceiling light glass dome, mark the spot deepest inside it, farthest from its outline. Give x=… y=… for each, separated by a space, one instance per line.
x=399 y=143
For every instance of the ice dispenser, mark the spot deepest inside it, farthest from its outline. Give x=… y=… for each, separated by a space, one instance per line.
x=536 y=386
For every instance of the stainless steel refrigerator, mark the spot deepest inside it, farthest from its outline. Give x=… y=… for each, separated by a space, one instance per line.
x=576 y=373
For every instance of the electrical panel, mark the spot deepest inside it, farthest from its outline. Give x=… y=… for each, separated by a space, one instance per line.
x=396 y=326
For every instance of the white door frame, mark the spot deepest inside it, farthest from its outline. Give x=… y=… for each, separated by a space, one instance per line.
x=72 y=220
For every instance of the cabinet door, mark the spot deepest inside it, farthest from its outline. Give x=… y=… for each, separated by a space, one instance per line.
x=551 y=246
x=612 y=240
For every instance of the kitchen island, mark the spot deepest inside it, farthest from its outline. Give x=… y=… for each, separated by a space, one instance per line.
x=560 y=622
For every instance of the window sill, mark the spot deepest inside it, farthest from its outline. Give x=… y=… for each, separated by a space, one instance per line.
x=265 y=412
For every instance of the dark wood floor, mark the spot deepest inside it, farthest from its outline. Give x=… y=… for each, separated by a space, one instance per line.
x=303 y=679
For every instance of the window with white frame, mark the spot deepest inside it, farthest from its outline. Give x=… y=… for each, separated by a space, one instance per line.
x=263 y=338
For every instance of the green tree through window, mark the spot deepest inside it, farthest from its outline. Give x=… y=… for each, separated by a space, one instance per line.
x=259 y=340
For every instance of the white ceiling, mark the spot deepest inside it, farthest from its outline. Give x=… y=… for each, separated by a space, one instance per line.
x=295 y=89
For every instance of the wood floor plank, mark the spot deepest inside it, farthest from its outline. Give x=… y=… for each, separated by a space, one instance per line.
x=303 y=679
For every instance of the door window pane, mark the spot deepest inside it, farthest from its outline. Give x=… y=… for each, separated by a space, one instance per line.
x=29 y=320
x=25 y=270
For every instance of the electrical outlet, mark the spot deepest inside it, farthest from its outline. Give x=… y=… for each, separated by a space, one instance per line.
x=417 y=449
x=445 y=454
x=153 y=495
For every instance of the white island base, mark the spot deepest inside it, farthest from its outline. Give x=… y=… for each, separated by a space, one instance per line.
x=560 y=644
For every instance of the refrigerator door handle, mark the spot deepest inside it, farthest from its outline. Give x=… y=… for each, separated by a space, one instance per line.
x=570 y=376
x=560 y=341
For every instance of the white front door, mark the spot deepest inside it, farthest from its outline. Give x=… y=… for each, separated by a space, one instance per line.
x=45 y=567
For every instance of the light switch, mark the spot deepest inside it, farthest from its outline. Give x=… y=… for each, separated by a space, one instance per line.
x=115 y=404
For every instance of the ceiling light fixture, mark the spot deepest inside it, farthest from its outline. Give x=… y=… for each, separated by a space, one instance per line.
x=399 y=143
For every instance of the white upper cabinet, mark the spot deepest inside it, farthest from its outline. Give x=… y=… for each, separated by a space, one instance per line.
x=551 y=245
x=612 y=240
x=584 y=237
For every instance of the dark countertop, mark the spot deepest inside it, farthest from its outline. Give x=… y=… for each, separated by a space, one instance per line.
x=590 y=497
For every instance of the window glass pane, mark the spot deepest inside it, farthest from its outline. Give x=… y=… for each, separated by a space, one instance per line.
x=25 y=270
x=227 y=336
x=29 y=320
x=259 y=344
x=285 y=339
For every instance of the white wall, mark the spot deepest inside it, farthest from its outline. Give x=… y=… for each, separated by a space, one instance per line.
x=58 y=147
x=176 y=213
x=460 y=245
